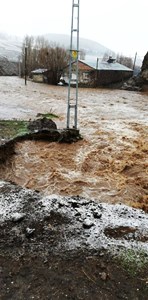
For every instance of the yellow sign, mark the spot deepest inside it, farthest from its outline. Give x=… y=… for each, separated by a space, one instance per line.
x=74 y=54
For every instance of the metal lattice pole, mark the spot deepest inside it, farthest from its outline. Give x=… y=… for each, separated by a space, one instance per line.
x=74 y=52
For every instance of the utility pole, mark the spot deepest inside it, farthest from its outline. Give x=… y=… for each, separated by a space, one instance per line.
x=25 y=65
x=74 y=53
x=134 y=61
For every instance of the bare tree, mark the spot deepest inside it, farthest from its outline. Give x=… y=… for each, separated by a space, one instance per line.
x=57 y=59
x=108 y=54
x=27 y=43
x=40 y=54
x=105 y=56
x=125 y=60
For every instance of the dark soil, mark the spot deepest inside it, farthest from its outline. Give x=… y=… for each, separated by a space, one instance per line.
x=39 y=258
x=79 y=275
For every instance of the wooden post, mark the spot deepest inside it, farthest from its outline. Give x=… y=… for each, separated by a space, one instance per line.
x=25 y=65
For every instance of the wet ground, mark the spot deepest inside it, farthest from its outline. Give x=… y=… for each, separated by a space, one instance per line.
x=67 y=239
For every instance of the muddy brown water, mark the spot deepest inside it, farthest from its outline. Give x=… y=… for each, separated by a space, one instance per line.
x=109 y=164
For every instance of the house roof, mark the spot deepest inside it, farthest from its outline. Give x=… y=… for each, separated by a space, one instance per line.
x=39 y=71
x=104 y=65
x=84 y=66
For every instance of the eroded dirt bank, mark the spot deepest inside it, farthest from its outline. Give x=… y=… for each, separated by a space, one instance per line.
x=70 y=248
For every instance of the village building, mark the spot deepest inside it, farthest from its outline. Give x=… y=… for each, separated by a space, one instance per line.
x=39 y=75
x=45 y=76
x=99 y=73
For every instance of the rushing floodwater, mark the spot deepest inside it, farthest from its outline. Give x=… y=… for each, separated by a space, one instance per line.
x=109 y=164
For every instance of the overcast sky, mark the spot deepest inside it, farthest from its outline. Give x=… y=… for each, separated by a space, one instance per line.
x=120 y=25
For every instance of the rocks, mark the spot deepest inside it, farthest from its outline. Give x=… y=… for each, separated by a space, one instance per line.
x=70 y=135
x=88 y=223
x=41 y=124
x=97 y=215
x=50 y=135
x=137 y=83
x=133 y=84
x=48 y=127
x=144 y=69
x=103 y=276
x=17 y=217
x=145 y=75
x=29 y=231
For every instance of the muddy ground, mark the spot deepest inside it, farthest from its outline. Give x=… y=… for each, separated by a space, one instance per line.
x=79 y=248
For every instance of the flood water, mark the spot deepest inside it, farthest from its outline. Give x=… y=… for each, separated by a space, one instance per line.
x=109 y=164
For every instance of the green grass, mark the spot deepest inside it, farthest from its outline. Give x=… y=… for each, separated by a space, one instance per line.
x=133 y=260
x=49 y=115
x=12 y=128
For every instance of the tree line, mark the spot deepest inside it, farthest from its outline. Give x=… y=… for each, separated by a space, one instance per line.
x=40 y=54
x=120 y=58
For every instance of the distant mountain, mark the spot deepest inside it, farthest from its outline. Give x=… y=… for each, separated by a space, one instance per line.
x=8 y=68
x=10 y=46
x=91 y=48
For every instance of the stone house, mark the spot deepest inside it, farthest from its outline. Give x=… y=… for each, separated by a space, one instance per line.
x=45 y=76
x=97 y=73
x=39 y=75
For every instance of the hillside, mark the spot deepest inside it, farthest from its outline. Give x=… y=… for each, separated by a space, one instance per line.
x=90 y=47
x=10 y=46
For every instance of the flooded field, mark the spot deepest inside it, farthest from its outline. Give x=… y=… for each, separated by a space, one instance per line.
x=109 y=164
